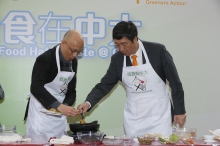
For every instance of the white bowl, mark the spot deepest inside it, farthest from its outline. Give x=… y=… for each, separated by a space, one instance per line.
x=217 y=131
x=208 y=137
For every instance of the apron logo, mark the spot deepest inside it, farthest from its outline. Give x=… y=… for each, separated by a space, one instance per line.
x=64 y=79
x=139 y=84
x=140 y=73
x=63 y=88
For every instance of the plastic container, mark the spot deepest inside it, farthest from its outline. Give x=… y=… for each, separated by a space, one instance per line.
x=185 y=132
x=7 y=129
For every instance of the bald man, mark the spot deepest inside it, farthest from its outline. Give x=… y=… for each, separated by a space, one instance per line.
x=53 y=86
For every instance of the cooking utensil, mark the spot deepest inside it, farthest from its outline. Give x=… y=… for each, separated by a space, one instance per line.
x=82 y=115
x=81 y=119
x=78 y=127
x=214 y=133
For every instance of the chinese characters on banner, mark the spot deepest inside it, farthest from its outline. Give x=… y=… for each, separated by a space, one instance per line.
x=20 y=27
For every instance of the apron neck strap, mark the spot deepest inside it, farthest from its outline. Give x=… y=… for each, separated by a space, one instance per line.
x=58 y=58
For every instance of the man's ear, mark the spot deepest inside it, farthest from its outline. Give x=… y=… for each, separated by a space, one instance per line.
x=135 y=40
x=63 y=42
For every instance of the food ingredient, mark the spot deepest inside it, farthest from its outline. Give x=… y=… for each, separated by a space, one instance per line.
x=192 y=133
x=164 y=141
x=188 y=141
x=54 y=110
x=145 y=140
x=173 y=138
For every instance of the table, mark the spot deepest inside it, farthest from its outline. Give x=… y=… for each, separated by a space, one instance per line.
x=101 y=144
x=29 y=144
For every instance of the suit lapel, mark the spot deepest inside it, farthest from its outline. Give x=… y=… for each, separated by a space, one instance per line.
x=146 y=47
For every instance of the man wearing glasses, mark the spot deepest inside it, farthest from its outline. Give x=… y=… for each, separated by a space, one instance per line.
x=53 y=75
x=143 y=68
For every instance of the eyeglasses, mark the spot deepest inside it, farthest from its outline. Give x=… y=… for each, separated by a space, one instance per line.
x=73 y=51
x=119 y=46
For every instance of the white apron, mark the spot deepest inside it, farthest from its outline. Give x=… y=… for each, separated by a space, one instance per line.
x=147 y=109
x=41 y=123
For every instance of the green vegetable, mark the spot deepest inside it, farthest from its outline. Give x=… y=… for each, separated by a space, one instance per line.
x=162 y=140
x=173 y=138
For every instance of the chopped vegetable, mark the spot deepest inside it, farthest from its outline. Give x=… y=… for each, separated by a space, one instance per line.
x=173 y=138
x=163 y=141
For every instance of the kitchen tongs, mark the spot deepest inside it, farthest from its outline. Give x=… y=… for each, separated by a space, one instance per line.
x=81 y=119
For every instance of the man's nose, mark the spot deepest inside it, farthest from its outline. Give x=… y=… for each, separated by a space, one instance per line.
x=75 y=54
x=121 y=48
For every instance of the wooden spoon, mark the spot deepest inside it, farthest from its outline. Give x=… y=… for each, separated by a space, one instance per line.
x=81 y=120
x=214 y=133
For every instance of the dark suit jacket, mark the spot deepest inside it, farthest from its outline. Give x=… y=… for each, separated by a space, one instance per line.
x=162 y=63
x=2 y=94
x=44 y=71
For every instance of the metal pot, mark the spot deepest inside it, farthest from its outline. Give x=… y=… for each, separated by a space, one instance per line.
x=77 y=127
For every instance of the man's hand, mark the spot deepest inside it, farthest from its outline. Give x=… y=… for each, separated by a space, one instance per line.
x=68 y=111
x=83 y=107
x=179 y=119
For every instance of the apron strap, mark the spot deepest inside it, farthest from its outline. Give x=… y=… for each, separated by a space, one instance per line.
x=58 y=58
x=26 y=112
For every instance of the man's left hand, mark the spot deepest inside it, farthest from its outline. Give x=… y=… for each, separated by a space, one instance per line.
x=179 y=119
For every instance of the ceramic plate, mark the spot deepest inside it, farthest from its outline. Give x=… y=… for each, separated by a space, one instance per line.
x=107 y=141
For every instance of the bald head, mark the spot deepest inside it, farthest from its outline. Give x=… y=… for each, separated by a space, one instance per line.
x=73 y=35
x=72 y=42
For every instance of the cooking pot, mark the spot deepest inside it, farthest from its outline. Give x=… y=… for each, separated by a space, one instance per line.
x=77 y=127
